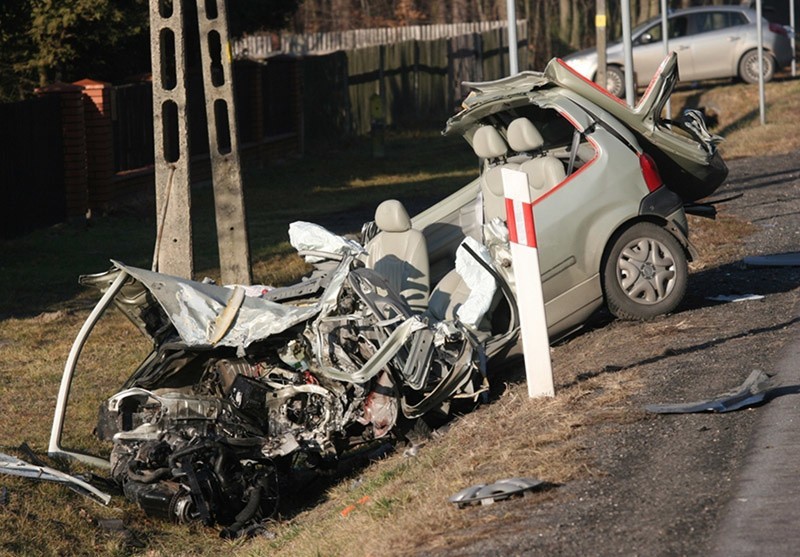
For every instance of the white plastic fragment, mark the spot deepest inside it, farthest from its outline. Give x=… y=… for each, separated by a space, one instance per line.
x=735 y=297
x=13 y=466
x=307 y=236
x=225 y=319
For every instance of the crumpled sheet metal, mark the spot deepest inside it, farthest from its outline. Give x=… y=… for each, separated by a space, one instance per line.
x=751 y=392
x=193 y=307
x=486 y=494
x=14 y=466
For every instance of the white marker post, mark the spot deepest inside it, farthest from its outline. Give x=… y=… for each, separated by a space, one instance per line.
x=530 y=300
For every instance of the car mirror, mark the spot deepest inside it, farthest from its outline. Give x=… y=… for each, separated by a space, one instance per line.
x=646 y=38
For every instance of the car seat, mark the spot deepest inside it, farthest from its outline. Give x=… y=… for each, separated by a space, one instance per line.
x=544 y=170
x=489 y=145
x=400 y=254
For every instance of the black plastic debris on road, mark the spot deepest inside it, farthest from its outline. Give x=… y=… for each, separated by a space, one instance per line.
x=751 y=392
x=486 y=494
x=790 y=259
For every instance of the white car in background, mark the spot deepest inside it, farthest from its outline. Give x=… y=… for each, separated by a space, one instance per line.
x=711 y=42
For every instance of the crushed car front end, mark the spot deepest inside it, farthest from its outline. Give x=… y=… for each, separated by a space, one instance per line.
x=215 y=422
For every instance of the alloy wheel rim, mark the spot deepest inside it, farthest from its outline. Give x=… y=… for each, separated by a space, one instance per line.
x=752 y=67
x=613 y=84
x=646 y=271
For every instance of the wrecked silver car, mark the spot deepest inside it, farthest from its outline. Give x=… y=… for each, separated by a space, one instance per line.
x=241 y=392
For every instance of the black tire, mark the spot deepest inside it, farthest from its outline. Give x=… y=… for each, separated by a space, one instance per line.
x=748 y=67
x=615 y=81
x=644 y=272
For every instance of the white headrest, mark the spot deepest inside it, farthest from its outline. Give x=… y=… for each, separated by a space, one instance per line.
x=488 y=143
x=391 y=216
x=523 y=136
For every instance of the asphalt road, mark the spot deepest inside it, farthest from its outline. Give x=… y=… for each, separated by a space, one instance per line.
x=691 y=484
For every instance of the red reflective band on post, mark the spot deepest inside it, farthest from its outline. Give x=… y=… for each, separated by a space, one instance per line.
x=527 y=210
x=512 y=222
x=520 y=223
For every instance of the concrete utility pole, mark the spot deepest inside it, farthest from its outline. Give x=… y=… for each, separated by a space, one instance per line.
x=173 y=250
x=513 y=60
x=173 y=247
x=600 y=30
x=223 y=142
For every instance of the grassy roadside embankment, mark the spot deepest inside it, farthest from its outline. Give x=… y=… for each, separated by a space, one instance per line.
x=41 y=311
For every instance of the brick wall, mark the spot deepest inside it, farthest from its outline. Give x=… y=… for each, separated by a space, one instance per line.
x=73 y=130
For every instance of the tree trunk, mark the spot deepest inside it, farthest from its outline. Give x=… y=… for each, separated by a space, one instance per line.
x=564 y=7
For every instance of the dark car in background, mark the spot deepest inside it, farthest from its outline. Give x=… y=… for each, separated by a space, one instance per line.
x=711 y=42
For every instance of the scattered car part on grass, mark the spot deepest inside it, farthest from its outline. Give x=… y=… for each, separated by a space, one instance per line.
x=486 y=494
x=753 y=391
x=14 y=466
x=791 y=259
x=735 y=297
x=345 y=512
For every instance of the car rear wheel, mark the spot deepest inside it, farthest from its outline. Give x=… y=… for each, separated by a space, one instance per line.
x=615 y=81
x=748 y=67
x=644 y=273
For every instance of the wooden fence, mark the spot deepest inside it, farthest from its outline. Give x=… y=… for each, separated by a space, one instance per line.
x=417 y=81
x=263 y=45
x=56 y=163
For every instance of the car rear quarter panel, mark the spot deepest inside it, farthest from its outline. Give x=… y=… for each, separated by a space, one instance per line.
x=576 y=219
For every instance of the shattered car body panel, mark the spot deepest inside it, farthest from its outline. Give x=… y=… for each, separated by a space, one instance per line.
x=208 y=432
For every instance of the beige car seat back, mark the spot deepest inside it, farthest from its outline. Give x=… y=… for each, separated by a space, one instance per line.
x=544 y=171
x=489 y=145
x=400 y=254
